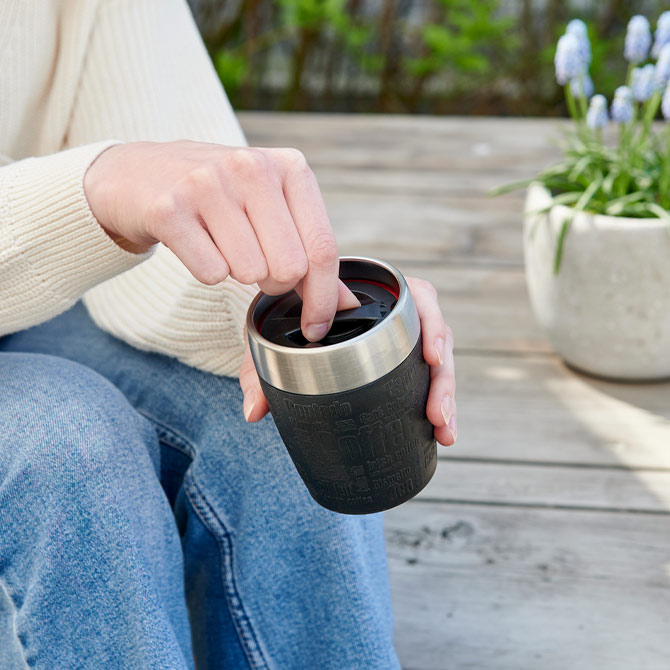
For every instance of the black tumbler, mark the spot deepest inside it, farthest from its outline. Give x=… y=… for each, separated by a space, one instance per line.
x=351 y=409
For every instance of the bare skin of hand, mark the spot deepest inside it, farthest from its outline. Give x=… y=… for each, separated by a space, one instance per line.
x=438 y=351
x=256 y=215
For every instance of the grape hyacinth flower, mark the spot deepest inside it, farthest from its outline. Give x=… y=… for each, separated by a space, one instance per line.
x=642 y=82
x=578 y=28
x=662 y=71
x=638 y=39
x=662 y=34
x=582 y=85
x=665 y=103
x=622 y=105
x=567 y=60
x=596 y=116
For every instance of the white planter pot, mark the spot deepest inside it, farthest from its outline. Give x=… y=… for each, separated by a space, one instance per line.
x=607 y=311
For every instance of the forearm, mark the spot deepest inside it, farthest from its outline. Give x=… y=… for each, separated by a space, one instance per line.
x=52 y=248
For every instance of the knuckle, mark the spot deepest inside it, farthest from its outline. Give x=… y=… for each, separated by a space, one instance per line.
x=249 y=161
x=250 y=273
x=201 y=179
x=429 y=288
x=211 y=276
x=449 y=336
x=161 y=209
x=295 y=159
x=291 y=272
x=323 y=250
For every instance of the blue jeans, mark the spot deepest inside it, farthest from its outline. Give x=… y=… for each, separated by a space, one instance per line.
x=144 y=523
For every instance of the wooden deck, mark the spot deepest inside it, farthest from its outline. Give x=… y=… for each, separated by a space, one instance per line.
x=543 y=541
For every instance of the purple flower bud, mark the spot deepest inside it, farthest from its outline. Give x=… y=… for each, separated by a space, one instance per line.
x=662 y=71
x=567 y=60
x=596 y=116
x=662 y=34
x=578 y=28
x=642 y=82
x=582 y=86
x=638 y=39
x=665 y=103
x=622 y=105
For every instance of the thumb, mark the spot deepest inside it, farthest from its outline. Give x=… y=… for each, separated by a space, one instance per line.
x=255 y=405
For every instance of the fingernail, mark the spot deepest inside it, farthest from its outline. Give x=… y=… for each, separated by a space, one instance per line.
x=248 y=403
x=439 y=349
x=453 y=428
x=447 y=408
x=315 y=331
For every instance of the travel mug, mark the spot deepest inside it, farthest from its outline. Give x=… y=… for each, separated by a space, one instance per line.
x=351 y=408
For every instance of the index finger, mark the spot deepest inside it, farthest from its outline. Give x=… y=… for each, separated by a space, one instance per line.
x=320 y=284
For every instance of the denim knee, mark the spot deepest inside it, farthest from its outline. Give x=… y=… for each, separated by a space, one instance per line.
x=90 y=557
x=64 y=428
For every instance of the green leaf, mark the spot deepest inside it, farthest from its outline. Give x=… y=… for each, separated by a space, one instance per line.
x=560 y=242
x=579 y=167
x=616 y=206
x=512 y=186
x=658 y=211
x=582 y=202
x=569 y=198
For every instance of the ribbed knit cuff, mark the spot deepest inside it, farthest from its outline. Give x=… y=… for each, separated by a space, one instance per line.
x=53 y=226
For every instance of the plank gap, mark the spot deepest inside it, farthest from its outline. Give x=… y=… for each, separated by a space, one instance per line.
x=553 y=464
x=540 y=506
x=458 y=262
x=505 y=353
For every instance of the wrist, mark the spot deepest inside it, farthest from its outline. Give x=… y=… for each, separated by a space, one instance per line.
x=98 y=188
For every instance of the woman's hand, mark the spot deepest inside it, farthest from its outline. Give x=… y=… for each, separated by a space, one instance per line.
x=254 y=214
x=438 y=345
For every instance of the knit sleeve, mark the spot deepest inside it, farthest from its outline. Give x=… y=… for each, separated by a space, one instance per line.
x=149 y=77
x=52 y=249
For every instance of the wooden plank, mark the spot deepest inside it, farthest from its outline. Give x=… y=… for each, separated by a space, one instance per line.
x=396 y=141
x=409 y=227
x=534 y=408
x=449 y=182
x=487 y=308
x=400 y=206
x=550 y=486
x=506 y=589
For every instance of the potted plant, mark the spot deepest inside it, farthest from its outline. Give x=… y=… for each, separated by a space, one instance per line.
x=597 y=227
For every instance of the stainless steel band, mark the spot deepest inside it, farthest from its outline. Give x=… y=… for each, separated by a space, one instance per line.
x=346 y=365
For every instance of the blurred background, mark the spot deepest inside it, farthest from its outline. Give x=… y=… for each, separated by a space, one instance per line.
x=490 y=57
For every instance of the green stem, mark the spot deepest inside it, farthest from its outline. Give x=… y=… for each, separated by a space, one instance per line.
x=630 y=145
x=570 y=99
x=625 y=148
x=629 y=72
x=580 y=121
x=582 y=95
x=664 y=181
x=650 y=109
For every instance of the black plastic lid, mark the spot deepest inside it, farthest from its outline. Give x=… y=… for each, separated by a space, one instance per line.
x=281 y=323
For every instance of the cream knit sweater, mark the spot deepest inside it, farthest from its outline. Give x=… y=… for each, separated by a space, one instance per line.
x=75 y=77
